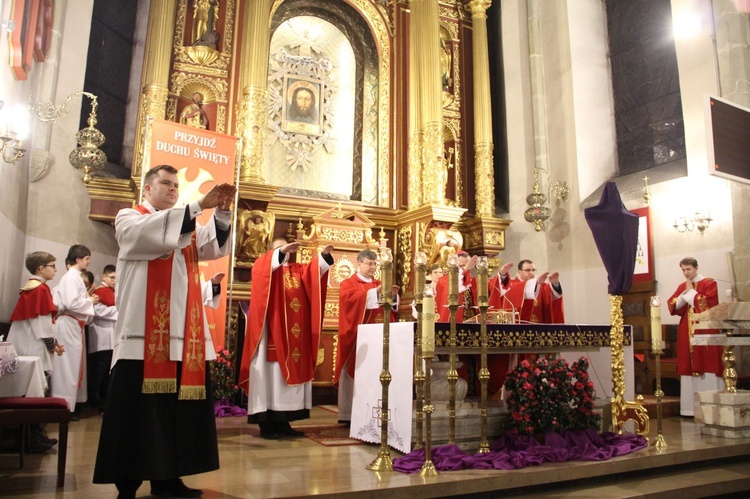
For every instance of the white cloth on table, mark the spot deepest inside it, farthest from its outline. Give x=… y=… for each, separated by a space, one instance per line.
x=27 y=381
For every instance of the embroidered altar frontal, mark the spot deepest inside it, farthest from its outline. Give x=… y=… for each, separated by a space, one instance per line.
x=507 y=338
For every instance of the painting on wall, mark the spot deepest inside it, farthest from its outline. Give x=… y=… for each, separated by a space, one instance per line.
x=301 y=111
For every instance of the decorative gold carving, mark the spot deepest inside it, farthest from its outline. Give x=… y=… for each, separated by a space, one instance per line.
x=180 y=23
x=257 y=231
x=495 y=238
x=153 y=103
x=343 y=269
x=404 y=255
x=218 y=87
x=416 y=194
x=331 y=310
x=221 y=118
x=305 y=255
x=342 y=235
x=434 y=172
x=200 y=55
x=250 y=121
x=226 y=47
x=171 y=109
x=485 y=179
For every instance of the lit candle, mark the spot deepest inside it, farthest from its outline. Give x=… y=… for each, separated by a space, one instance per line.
x=428 y=324
x=656 y=341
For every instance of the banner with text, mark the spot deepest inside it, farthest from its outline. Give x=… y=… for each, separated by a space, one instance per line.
x=202 y=158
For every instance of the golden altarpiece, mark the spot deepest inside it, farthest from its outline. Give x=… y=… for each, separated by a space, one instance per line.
x=363 y=123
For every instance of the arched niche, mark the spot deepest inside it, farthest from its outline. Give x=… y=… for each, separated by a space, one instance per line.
x=341 y=50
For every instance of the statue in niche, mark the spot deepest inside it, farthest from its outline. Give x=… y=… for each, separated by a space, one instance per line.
x=256 y=234
x=448 y=250
x=205 y=15
x=194 y=115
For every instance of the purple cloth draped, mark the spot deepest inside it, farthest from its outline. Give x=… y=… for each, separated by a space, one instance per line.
x=224 y=409
x=513 y=451
x=615 y=231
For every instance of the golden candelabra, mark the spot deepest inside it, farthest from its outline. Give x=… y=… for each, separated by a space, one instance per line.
x=623 y=410
x=452 y=373
x=428 y=352
x=420 y=264
x=383 y=461
x=484 y=373
x=656 y=347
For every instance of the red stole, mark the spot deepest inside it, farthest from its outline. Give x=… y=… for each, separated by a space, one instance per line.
x=352 y=313
x=290 y=301
x=159 y=372
x=35 y=300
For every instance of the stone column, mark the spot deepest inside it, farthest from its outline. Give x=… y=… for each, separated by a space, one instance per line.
x=416 y=195
x=435 y=175
x=159 y=35
x=483 y=163
x=253 y=74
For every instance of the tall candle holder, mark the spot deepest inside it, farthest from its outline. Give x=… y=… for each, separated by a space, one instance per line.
x=452 y=373
x=656 y=347
x=383 y=461
x=428 y=352
x=484 y=373
x=420 y=264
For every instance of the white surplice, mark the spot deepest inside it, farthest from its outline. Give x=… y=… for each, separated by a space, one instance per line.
x=143 y=238
x=27 y=336
x=102 y=329
x=69 y=369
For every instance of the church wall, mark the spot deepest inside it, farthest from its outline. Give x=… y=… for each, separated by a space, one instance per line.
x=567 y=245
x=52 y=213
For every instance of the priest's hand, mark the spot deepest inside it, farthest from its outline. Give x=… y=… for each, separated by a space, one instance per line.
x=94 y=298
x=218 y=278
x=505 y=269
x=394 y=290
x=541 y=278
x=290 y=248
x=327 y=250
x=471 y=263
x=220 y=196
x=554 y=278
x=689 y=284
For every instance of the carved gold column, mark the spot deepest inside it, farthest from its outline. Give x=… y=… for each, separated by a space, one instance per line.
x=483 y=169
x=435 y=175
x=155 y=80
x=416 y=195
x=251 y=109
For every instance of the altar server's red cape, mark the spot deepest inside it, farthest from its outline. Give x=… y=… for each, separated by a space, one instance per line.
x=35 y=300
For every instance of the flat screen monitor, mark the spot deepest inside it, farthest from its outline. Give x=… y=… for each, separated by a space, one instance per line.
x=728 y=141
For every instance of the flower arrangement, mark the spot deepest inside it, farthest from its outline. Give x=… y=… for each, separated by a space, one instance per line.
x=550 y=395
x=222 y=375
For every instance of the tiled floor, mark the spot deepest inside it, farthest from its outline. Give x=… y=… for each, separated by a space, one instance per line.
x=254 y=468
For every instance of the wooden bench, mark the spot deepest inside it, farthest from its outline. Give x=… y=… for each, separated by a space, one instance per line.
x=24 y=411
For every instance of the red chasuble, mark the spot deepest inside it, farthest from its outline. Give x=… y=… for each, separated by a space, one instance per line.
x=696 y=360
x=290 y=300
x=544 y=310
x=35 y=300
x=106 y=296
x=352 y=313
x=441 y=298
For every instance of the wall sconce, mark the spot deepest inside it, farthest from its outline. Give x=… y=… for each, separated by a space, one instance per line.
x=697 y=221
x=11 y=143
x=87 y=156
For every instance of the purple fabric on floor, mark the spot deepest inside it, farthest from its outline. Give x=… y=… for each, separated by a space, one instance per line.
x=225 y=409
x=513 y=451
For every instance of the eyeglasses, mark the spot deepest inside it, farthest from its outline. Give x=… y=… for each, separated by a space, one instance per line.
x=50 y=265
x=109 y=277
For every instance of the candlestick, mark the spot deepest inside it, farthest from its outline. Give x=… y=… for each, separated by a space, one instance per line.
x=428 y=324
x=656 y=339
x=386 y=275
x=482 y=279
